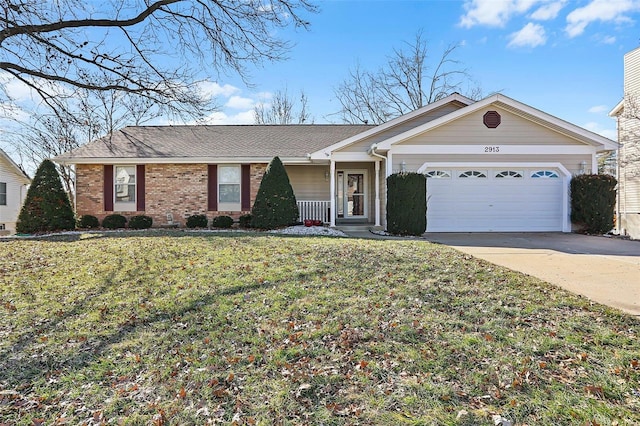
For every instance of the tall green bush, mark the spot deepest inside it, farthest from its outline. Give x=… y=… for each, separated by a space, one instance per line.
x=47 y=206
x=593 y=201
x=275 y=204
x=407 y=204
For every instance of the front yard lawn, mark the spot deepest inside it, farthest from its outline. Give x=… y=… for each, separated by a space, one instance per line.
x=261 y=330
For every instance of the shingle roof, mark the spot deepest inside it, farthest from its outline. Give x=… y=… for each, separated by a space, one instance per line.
x=226 y=141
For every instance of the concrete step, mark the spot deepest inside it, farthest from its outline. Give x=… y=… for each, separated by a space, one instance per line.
x=356 y=228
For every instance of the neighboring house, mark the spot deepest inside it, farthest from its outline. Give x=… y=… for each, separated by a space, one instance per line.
x=13 y=190
x=627 y=113
x=493 y=165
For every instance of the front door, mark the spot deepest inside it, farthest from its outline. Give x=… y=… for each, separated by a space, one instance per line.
x=351 y=191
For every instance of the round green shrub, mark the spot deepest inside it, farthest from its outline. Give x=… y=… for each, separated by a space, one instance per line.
x=140 y=222
x=114 y=221
x=245 y=221
x=222 y=222
x=197 y=221
x=88 y=221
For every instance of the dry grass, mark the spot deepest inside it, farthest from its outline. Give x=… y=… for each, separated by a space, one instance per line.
x=275 y=330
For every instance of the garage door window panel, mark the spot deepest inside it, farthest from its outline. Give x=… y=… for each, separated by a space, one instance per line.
x=473 y=174
x=438 y=174
x=509 y=174
x=544 y=174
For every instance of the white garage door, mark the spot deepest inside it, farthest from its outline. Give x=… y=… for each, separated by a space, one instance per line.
x=494 y=200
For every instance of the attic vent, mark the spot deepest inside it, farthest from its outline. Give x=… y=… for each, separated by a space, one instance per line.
x=491 y=119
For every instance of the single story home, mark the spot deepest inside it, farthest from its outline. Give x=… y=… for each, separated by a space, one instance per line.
x=493 y=165
x=14 y=183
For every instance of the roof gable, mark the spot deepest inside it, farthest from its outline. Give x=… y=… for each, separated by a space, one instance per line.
x=13 y=167
x=517 y=108
x=396 y=125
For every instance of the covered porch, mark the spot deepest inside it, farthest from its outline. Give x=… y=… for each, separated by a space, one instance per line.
x=340 y=192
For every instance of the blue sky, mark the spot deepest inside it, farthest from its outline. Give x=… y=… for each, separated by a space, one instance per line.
x=563 y=57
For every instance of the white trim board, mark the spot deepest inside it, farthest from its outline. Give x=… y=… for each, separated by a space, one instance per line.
x=502 y=149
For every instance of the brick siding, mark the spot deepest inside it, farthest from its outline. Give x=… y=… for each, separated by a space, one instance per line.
x=179 y=189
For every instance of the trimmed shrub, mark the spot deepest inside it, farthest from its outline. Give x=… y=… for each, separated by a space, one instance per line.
x=407 y=204
x=197 y=221
x=140 y=222
x=221 y=222
x=593 y=200
x=114 y=221
x=245 y=221
x=275 y=204
x=88 y=221
x=47 y=206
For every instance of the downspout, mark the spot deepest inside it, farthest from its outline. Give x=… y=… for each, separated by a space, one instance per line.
x=372 y=151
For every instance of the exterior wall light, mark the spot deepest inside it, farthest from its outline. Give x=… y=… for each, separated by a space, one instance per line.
x=583 y=167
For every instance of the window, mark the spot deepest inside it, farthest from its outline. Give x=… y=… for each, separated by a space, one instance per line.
x=2 y=227
x=3 y=193
x=474 y=174
x=545 y=174
x=509 y=174
x=125 y=181
x=438 y=174
x=229 y=178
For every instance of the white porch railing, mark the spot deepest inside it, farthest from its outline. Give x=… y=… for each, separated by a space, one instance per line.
x=314 y=210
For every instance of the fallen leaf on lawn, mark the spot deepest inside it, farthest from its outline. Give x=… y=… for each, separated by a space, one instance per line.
x=183 y=393
x=594 y=390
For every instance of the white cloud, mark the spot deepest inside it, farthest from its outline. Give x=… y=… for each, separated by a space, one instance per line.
x=238 y=102
x=531 y=35
x=18 y=90
x=610 y=132
x=599 y=10
x=608 y=40
x=212 y=89
x=494 y=13
x=548 y=11
x=221 y=117
x=598 y=109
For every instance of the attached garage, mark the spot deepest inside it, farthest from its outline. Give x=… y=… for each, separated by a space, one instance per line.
x=499 y=199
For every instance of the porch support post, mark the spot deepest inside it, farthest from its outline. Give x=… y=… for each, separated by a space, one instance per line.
x=332 y=191
x=377 y=193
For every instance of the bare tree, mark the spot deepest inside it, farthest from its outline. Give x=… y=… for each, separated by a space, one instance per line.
x=89 y=116
x=406 y=82
x=282 y=109
x=629 y=136
x=141 y=48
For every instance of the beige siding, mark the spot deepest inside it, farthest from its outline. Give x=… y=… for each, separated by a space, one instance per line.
x=364 y=145
x=470 y=130
x=310 y=183
x=414 y=162
x=632 y=71
x=16 y=192
x=629 y=153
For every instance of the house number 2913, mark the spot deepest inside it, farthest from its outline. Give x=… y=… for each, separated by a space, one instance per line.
x=489 y=149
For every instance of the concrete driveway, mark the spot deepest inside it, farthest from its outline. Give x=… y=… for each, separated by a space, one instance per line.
x=605 y=270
